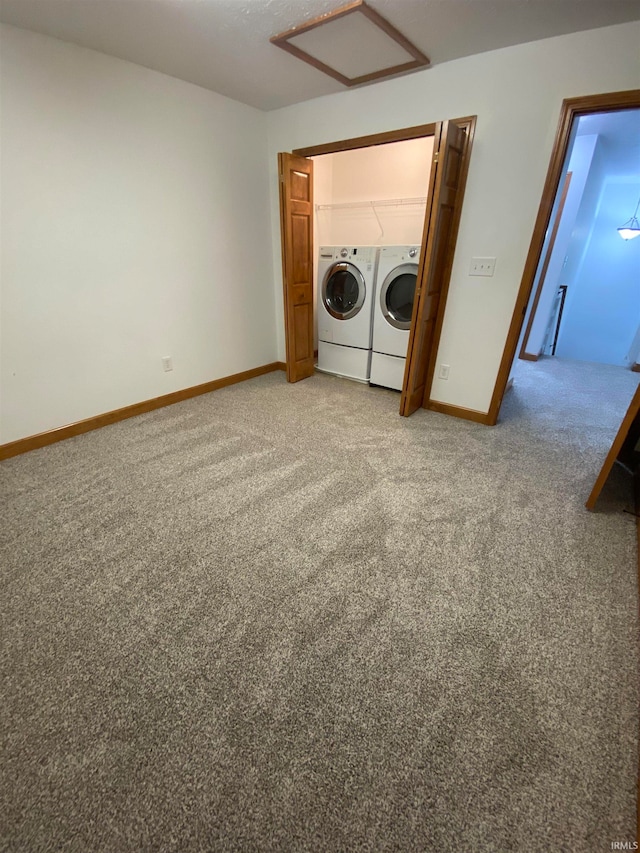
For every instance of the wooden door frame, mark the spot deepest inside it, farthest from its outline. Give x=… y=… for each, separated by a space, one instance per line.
x=627 y=435
x=402 y=135
x=572 y=108
x=468 y=124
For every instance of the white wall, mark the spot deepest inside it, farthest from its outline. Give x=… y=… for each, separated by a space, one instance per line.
x=135 y=224
x=517 y=94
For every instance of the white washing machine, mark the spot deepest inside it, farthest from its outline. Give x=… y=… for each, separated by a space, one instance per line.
x=346 y=281
x=395 y=290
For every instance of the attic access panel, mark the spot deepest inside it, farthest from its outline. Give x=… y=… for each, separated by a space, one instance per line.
x=353 y=44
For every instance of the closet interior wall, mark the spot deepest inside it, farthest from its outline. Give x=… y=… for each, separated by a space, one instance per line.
x=372 y=196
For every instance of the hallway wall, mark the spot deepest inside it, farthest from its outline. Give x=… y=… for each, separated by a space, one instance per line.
x=602 y=311
x=583 y=160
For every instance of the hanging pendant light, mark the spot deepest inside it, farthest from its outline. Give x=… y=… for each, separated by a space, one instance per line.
x=631 y=227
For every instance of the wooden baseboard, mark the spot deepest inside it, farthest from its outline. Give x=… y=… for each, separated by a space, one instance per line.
x=33 y=442
x=460 y=412
x=526 y=356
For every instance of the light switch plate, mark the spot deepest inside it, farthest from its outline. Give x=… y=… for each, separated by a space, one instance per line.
x=482 y=266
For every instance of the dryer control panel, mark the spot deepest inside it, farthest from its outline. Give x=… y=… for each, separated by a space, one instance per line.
x=400 y=253
x=363 y=256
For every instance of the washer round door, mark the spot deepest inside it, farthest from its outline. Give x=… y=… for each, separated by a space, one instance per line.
x=396 y=296
x=343 y=290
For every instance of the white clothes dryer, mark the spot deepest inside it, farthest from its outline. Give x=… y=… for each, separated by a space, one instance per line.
x=395 y=290
x=345 y=291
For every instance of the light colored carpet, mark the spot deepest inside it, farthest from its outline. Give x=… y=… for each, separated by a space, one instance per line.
x=282 y=618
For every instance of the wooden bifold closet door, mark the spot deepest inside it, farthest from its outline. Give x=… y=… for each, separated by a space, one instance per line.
x=296 y=210
x=435 y=265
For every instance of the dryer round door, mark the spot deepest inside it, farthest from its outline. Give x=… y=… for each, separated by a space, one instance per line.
x=396 y=296
x=343 y=290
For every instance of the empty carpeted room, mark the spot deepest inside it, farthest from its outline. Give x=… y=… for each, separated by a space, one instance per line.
x=249 y=604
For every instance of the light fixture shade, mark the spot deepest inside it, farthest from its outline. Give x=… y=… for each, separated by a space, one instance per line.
x=628 y=232
x=631 y=228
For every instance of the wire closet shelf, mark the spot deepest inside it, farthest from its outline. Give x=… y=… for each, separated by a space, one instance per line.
x=385 y=202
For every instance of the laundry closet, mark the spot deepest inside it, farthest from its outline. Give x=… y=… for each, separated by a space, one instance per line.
x=369 y=218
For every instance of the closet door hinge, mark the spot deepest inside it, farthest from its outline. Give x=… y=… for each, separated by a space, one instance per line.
x=436 y=156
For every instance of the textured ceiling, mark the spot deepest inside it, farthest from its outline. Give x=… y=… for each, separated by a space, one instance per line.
x=223 y=45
